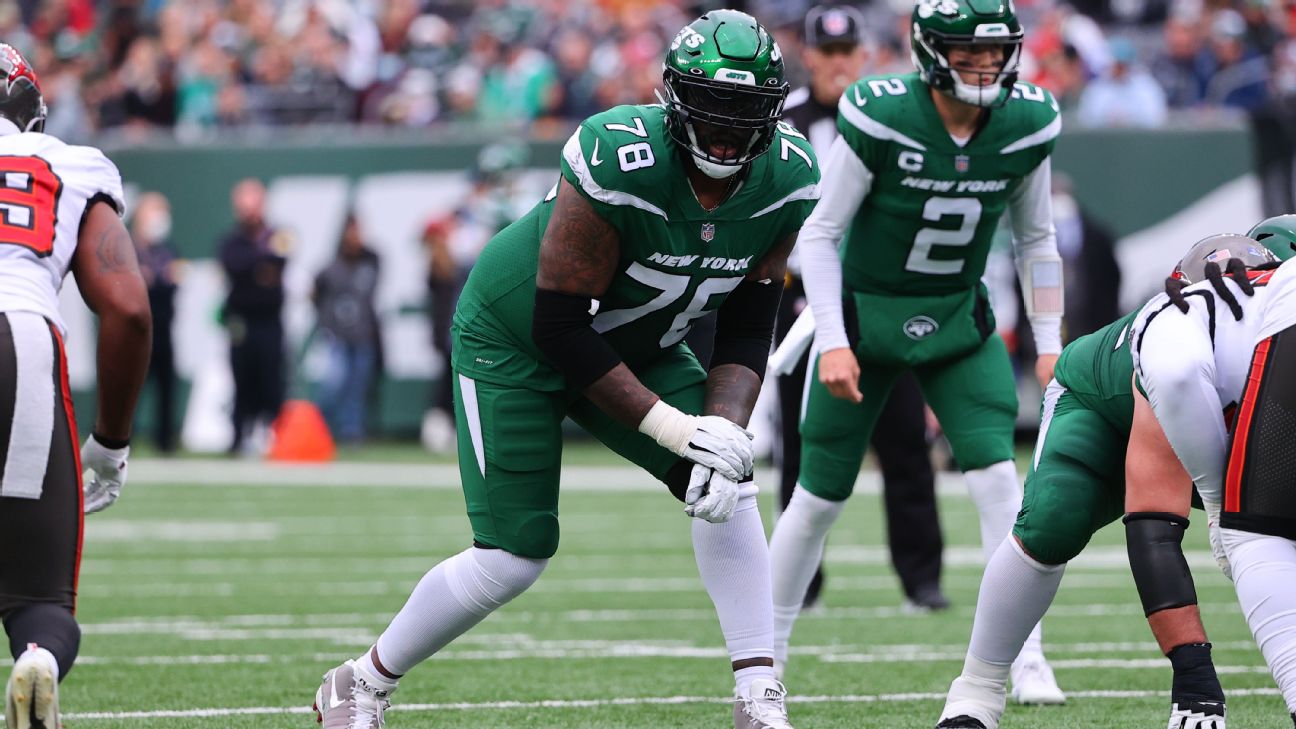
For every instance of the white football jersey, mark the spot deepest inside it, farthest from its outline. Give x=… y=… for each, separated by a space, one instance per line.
x=1193 y=367
x=46 y=187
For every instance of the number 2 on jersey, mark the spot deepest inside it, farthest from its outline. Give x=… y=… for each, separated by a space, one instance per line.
x=968 y=209
x=29 y=193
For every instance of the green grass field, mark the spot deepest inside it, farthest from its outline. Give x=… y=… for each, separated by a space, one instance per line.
x=214 y=595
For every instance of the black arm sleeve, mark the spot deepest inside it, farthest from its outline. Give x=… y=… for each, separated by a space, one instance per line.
x=561 y=328
x=745 y=326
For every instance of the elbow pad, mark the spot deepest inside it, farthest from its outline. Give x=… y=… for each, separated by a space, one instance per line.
x=1155 y=544
x=745 y=326
x=561 y=327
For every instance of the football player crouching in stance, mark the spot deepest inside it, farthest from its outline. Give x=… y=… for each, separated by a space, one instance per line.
x=662 y=214
x=1080 y=480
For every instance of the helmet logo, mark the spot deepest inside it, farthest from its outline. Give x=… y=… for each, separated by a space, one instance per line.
x=689 y=38
x=920 y=327
x=746 y=78
x=708 y=232
x=927 y=8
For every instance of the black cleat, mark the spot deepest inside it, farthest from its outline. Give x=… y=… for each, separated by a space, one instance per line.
x=963 y=721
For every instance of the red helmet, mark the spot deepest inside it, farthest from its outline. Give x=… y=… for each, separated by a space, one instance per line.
x=20 y=96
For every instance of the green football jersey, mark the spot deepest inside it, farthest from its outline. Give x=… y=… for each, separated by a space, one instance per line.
x=677 y=261
x=927 y=223
x=1098 y=368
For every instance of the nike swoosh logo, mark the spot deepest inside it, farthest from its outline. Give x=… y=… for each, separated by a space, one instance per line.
x=594 y=160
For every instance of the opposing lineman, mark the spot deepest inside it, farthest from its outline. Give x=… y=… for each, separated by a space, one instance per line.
x=662 y=214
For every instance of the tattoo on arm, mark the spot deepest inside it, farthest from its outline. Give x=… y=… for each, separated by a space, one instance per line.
x=731 y=392
x=620 y=394
x=115 y=251
x=774 y=265
x=579 y=250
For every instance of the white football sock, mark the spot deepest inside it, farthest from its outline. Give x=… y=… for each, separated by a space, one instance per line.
x=1015 y=593
x=997 y=496
x=795 y=551
x=1264 y=574
x=451 y=598
x=743 y=678
x=733 y=560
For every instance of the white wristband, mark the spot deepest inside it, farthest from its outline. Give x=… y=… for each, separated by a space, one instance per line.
x=669 y=426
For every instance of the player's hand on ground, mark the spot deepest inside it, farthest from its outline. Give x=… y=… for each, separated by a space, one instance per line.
x=723 y=445
x=104 y=474
x=710 y=496
x=839 y=371
x=1044 y=365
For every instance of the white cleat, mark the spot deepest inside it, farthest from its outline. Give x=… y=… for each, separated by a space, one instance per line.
x=973 y=703
x=764 y=708
x=1033 y=682
x=31 y=698
x=1197 y=715
x=345 y=700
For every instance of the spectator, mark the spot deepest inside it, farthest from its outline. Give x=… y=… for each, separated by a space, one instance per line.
x=253 y=256
x=1126 y=96
x=151 y=229
x=1185 y=67
x=444 y=281
x=344 y=299
x=1241 y=79
x=1088 y=250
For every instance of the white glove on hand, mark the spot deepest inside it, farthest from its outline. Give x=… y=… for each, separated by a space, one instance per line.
x=1216 y=538
x=104 y=474
x=710 y=496
x=708 y=440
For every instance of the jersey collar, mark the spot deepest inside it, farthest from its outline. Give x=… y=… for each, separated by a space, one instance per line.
x=7 y=127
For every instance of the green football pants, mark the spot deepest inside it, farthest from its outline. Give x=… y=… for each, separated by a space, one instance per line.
x=510 y=448
x=973 y=396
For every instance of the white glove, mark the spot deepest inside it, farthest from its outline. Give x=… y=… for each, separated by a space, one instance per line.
x=708 y=440
x=710 y=496
x=1216 y=538
x=104 y=474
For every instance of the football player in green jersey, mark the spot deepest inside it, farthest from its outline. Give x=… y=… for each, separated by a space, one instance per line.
x=662 y=214
x=1077 y=485
x=926 y=165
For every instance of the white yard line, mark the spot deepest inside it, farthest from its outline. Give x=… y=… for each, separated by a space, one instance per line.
x=597 y=703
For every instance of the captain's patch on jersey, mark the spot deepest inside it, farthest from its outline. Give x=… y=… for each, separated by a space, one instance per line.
x=920 y=327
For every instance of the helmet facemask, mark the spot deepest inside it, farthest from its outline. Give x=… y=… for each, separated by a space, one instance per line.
x=723 y=124
x=931 y=50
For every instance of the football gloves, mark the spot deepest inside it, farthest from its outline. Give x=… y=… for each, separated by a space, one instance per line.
x=708 y=440
x=710 y=496
x=104 y=474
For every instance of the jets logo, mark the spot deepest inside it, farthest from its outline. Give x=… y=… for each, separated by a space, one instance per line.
x=920 y=327
x=708 y=232
x=927 y=8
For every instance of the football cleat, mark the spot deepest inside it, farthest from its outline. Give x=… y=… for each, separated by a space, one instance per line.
x=763 y=708
x=345 y=700
x=1197 y=715
x=962 y=721
x=1033 y=682
x=31 y=698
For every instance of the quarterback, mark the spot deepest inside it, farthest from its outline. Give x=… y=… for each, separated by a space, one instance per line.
x=1077 y=485
x=62 y=206
x=926 y=165
x=662 y=214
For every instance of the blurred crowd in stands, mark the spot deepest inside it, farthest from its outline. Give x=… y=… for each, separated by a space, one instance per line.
x=197 y=66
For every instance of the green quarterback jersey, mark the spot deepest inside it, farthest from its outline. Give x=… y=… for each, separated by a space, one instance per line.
x=1098 y=369
x=677 y=260
x=927 y=223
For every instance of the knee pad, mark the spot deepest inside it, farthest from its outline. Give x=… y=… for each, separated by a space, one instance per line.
x=995 y=486
x=814 y=510
x=1155 y=544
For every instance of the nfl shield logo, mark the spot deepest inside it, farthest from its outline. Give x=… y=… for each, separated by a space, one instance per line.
x=961 y=162
x=708 y=232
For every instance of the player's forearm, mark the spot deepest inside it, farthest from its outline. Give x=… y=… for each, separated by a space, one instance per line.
x=731 y=393
x=1039 y=267
x=622 y=396
x=846 y=182
x=125 y=340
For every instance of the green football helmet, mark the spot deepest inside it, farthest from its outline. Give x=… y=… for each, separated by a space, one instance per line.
x=1218 y=249
x=1278 y=234
x=724 y=90
x=940 y=24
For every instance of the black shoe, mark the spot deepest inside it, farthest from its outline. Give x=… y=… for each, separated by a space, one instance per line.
x=962 y=721
x=815 y=591
x=929 y=599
